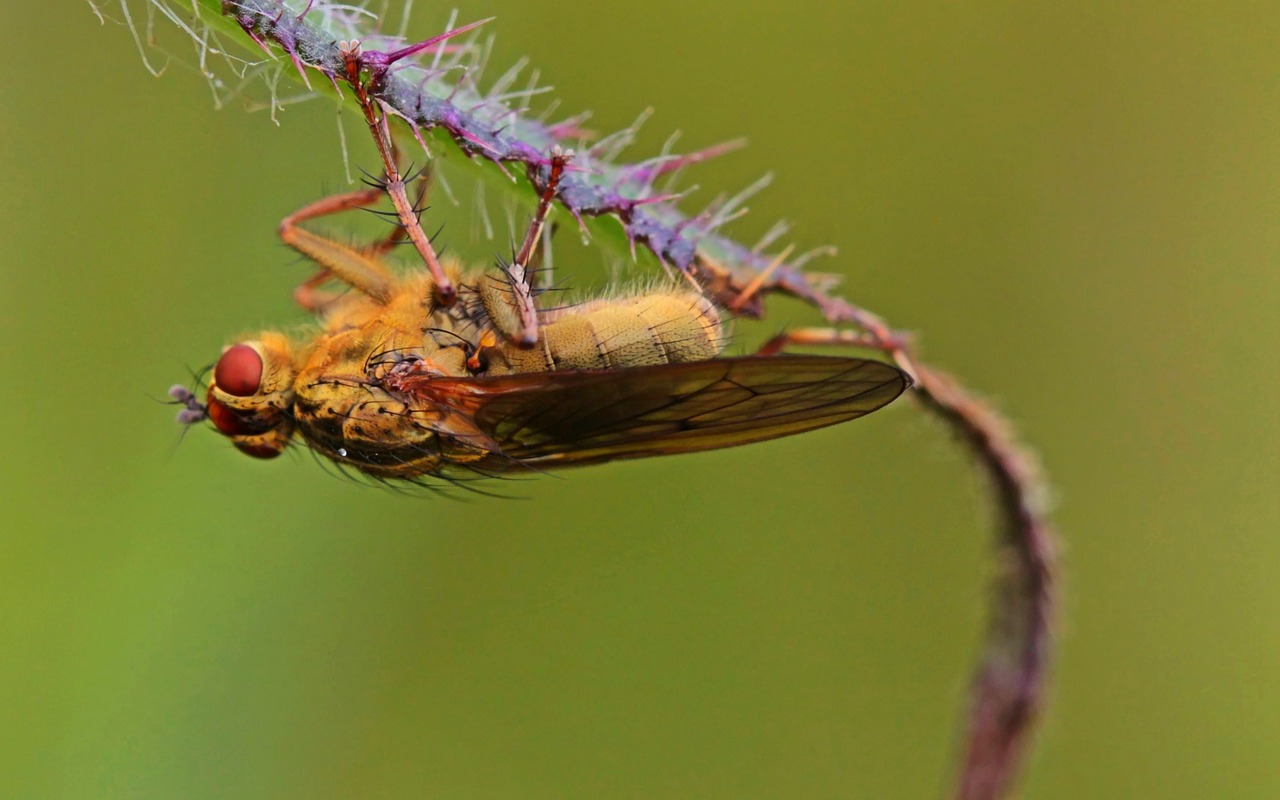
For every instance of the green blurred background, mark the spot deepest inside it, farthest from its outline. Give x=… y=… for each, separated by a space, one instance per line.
x=1077 y=207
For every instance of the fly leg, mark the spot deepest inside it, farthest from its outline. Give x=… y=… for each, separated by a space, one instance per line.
x=891 y=343
x=348 y=264
x=509 y=300
x=359 y=267
x=356 y=63
x=399 y=233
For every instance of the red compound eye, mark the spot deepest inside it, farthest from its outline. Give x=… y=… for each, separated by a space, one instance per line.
x=239 y=371
x=258 y=450
x=228 y=421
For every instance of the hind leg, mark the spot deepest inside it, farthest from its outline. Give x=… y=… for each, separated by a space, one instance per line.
x=361 y=268
x=509 y=299
x=336 y=260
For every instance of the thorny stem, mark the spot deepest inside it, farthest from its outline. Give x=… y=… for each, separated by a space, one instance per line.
x=1008 y=685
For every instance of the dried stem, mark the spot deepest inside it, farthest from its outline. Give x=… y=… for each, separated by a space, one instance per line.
x=1008 y=684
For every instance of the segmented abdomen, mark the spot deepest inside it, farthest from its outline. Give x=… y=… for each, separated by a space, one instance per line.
x=658 y=328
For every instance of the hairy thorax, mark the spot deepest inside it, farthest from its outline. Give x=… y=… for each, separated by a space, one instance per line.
x=343 y=412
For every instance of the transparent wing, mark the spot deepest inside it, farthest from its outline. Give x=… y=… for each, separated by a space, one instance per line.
x=590 y=416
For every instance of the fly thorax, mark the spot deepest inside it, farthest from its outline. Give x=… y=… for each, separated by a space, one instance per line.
x=343 y=410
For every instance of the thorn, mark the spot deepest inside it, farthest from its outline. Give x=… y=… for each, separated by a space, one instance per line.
x=779 y=229
x=608 y=148
x=805 y=258
x=471 y=138
x=572 y=127
x=376 y=60
x=656 y=167
x=661 y=198
x=757 y=283
x=297 y=64
x=503 y=83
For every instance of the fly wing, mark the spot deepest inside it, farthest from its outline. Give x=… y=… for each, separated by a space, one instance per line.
x=588 y=416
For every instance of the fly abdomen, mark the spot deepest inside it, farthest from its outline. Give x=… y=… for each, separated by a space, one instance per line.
x=657 y=328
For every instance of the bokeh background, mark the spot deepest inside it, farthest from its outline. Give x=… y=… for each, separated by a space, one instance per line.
x=1077 y=206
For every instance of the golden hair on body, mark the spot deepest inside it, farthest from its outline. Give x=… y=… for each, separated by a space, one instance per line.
x=402 y=381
